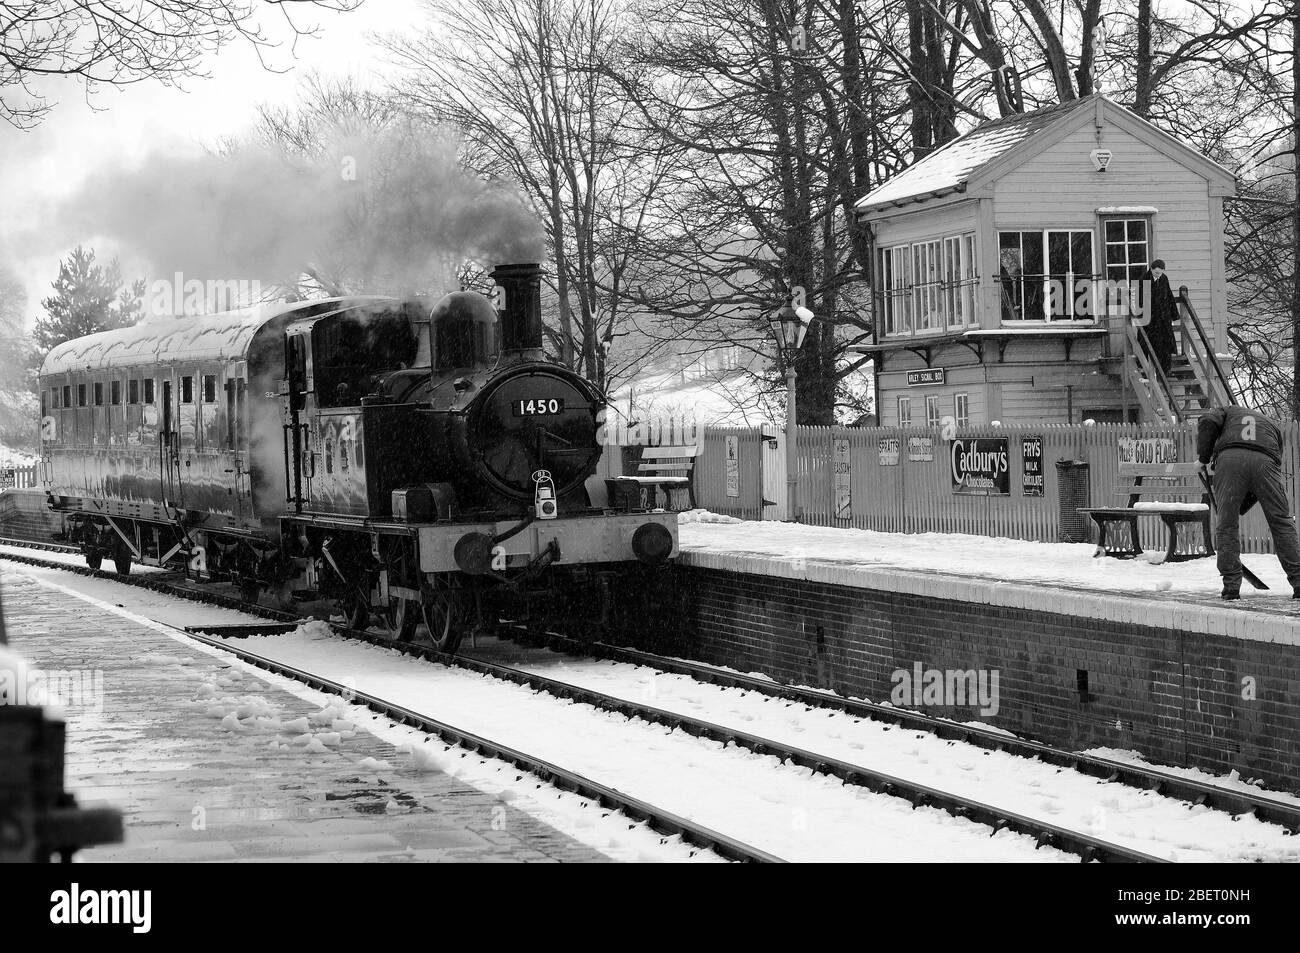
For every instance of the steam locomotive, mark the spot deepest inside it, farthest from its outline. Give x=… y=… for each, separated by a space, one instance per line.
x=414 y=465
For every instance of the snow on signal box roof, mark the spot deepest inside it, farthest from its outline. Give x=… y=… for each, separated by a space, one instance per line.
x=950 y=167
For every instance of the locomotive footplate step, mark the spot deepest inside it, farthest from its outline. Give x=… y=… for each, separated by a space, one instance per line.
x=243 y=631
x=209 y=761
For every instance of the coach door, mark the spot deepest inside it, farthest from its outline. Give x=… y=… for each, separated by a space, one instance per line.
x=299 y=462
x=237 y=441
x=169 y=450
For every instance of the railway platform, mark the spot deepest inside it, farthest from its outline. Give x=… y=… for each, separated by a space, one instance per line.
x=210 y=762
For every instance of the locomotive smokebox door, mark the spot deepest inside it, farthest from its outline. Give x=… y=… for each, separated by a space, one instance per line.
x=544 y=495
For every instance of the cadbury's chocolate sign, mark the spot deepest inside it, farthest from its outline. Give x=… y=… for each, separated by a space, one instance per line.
x=981 y=466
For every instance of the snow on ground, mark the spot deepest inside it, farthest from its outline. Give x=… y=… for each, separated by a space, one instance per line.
x=1160 y=826
x=983 y=557
x=782 y=809
x=235 y=703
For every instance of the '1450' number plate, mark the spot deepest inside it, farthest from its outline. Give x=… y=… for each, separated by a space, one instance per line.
x=538 y=406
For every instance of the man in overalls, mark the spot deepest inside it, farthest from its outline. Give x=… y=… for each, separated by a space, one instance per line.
x=1242 y=450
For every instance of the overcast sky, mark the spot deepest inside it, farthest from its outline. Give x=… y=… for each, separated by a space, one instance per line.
x=40 y=166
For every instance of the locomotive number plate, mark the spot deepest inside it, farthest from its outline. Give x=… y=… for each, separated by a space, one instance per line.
x=537 y=406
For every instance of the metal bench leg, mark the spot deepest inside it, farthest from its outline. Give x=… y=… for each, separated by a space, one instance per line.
x=1101 y=536
x=1133 y=534
x=1172 y=526
x=1207 y=534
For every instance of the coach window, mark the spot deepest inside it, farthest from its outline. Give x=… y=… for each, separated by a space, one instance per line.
x=148 y=390
x=115 y=393
x=209 y=388
x=187 y=390
x=67 y=395
x=81 y=395
x=99 y=394
x=904 y=411
x=133 y=391
x=54 y=398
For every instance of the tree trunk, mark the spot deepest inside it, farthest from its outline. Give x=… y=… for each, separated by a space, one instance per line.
x=918 y=97
x=1142 y=79
x=1053 y=50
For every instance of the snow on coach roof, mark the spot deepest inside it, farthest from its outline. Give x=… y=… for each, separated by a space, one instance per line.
x=208 y=337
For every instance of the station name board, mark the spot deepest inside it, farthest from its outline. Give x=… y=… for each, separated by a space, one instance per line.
x=931 y=375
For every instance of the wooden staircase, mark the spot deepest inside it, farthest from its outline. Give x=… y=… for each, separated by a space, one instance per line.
x=1195 y=382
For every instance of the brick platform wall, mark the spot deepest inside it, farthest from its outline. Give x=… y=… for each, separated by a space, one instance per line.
x=24 y=514
x=1176 y=696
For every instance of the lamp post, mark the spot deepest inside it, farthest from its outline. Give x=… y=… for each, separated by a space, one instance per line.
x=789 y=325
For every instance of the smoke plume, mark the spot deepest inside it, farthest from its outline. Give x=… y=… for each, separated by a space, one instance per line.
x=387 y=210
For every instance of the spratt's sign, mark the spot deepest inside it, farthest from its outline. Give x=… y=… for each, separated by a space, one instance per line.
x=981 y=466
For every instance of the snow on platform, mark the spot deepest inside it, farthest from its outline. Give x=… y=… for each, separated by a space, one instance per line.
x=1055 y=577
x=211 y=762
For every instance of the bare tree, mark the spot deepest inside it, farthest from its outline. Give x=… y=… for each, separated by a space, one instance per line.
x=118 y=42
x=527 y=82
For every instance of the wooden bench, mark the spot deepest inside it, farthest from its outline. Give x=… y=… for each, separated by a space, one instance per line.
x=667 y=468
x=1178 y=480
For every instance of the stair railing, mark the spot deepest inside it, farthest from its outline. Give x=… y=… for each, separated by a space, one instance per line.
x=1200 y=354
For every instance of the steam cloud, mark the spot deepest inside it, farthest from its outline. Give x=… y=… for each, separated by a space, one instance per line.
x=387 y=211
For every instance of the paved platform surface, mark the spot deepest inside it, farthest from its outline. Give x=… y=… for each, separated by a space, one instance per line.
x=193 y=787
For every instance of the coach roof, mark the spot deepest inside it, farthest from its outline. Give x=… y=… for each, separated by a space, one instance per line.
x=165 y=340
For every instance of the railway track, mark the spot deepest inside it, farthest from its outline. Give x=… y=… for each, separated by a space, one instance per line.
x=1230 y=800
x=1083 y=845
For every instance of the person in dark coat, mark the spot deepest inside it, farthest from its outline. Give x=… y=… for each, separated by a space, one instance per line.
x=1241 y=449
x=1161 y=307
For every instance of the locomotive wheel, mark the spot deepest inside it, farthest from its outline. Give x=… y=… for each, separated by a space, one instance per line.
x=249 y=590
x=400 y=618
x=442 y=619
x=94 y=559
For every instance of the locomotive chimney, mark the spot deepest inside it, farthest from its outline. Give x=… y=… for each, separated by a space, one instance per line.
x=521 y=317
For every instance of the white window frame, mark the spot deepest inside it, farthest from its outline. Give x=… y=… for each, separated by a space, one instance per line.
x=895 y=290
x=927 y=286
x=1124 y=307
x=904 y=411
x=933 y=413
x=961 y=409
x=1046 y=315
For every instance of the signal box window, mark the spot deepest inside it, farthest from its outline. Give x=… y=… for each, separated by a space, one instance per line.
x=148 y=390
x=187 y=390
x=961 y=404
x=81 y=395
x=904 y=411
x=99 y=394
x=115 y=393
x=133 y=392
x=209 y=388
x=932 y=411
